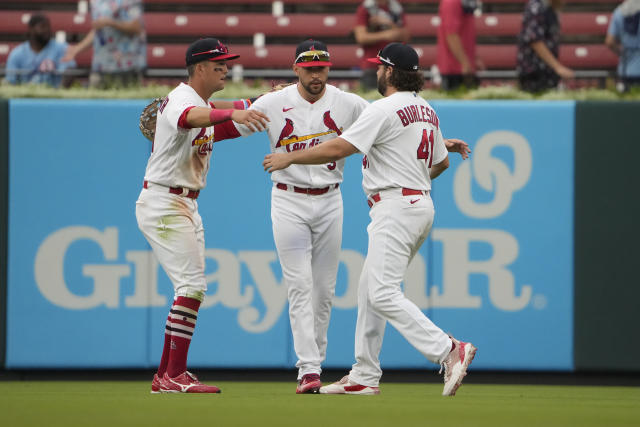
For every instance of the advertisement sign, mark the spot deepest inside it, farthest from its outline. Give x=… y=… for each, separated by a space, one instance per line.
x=84 y=289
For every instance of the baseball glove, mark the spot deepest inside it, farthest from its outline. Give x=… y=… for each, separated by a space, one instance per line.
x=148 y=119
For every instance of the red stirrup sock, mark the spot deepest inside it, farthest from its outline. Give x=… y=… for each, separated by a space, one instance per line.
x=164 y=360
x=184 y=315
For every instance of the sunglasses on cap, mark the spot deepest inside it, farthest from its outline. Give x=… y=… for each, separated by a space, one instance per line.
x=312 y=56
x=384 y=60
x=206 y=52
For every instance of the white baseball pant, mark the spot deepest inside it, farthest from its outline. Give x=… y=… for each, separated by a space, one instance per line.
x=307 y=230
x=397 y=230
x=173 y=227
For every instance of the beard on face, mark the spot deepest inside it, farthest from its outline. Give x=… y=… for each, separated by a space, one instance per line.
x=382 y=84
x=42 y=39
x=314 y=90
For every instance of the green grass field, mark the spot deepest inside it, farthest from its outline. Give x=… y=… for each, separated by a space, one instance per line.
x=119 y=404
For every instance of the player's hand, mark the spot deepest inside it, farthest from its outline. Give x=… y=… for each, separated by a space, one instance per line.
x=381 y=21
x=466 y=68
x=276 y=162
x=253 y=119
x=70 y=54
x=458 y=146
x=564 y=72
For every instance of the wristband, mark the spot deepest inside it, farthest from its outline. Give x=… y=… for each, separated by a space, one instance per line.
x=242 y=104
x=218 y=116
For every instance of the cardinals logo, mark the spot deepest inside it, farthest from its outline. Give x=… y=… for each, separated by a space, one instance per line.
x=222 y=48
x=286 y=131
x=328 y=122
x=286 y=138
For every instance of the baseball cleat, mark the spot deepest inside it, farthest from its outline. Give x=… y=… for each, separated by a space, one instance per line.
x=186 y=383
x=310 y=383
x=455 y=366
x=346 y=386
x=156 y=384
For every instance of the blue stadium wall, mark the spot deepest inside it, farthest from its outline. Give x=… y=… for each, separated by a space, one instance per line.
x=501 y=267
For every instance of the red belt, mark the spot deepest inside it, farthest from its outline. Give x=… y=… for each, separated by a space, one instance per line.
x=309 y=191
x=405 y=192
x=192 y=194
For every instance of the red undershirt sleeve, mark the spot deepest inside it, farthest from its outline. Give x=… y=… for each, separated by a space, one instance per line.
x=225 y=130
x=182 y=121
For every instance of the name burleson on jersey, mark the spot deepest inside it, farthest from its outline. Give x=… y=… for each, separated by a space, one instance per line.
x=417 y=113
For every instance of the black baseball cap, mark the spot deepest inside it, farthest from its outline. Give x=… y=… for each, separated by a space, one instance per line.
x=312 y=53
x=208 y=49
x=398 y=55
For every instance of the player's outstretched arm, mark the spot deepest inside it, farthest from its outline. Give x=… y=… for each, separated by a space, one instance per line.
x=457 y=146
x=200 y=117
x=327 y=152
x=253 y=119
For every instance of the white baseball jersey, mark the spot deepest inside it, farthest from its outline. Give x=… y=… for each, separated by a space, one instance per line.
x=297 y=124
x=307 y=229
x=180 y=157
x=401 y=138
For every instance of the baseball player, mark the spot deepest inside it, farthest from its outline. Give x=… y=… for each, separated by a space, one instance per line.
x=306 y=202
x=404 y=150
x=167 y=211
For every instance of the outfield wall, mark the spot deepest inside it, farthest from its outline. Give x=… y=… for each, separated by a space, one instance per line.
x=84 y=290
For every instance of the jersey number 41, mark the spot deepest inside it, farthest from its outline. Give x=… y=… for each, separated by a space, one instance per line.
x=426 y=147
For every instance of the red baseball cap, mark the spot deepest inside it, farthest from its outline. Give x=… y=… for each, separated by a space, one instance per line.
x=312 y=53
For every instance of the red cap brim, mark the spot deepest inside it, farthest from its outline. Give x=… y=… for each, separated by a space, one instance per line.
x=314 y=64
x=225 y=57
x=375 y=60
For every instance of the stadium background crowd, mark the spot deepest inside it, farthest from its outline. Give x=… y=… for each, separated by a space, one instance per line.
x=461 y=42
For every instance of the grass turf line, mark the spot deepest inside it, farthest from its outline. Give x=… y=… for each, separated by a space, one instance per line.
x=119 y=404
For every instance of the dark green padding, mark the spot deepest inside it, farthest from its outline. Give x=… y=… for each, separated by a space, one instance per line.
x=607 y=237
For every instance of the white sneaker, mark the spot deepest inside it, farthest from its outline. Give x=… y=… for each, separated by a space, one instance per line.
x=346 y=386
x=455 y=366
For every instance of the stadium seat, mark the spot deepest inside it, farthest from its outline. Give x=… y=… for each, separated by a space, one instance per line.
x=348 y=56
x=300 y=24
x=271 y=56
x=15 y=22
x=587 y=56
x=585 y=23
x=509 y=24
x=247 y=24
x=573 y=56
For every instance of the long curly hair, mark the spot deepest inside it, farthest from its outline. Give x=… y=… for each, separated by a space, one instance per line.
x=412 y=81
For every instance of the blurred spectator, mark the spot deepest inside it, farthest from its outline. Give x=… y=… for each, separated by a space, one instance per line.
x=119 y=43
x=378 y=22
x=538 y=47
x=623 y=37
x=39 y=59
x=456 y=55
